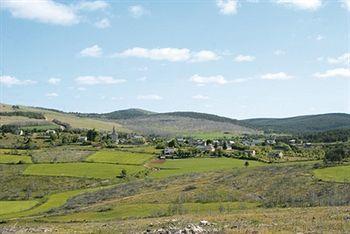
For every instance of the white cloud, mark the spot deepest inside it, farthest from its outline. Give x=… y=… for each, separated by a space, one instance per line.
x=276 y=76
x=143 y=68
x=96 y=80
x=200 y=97
x=239 y=80
x=91 y=5
x=346 y=4
x=54 y=81
x=279 y=52
x=320 y=59
x=93 y=51
x=10 y=81
x=142 y=79
x=149 y=97
x=45 y=11
x=103 y=23
x=169 y=54
x=244 y=58
x=204 y=55
x=227 y=7
x=342 y=59
x=319 y=37
x=301 y=4
x=117 y=98
x=137 y=11
x=51 y=95
x=202 y=80
x=338 y=72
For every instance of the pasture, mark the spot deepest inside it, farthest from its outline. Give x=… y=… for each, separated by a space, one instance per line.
x=337 y=174
x=87 y=170
x=146 y=210
x=148 y=149
x=120 y=157
x=194 y=165
x=16 y=206
x=14 y=159
x=52 y=201
x=60 y=154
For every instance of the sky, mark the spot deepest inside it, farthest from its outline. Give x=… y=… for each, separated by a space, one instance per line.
x=235 y=58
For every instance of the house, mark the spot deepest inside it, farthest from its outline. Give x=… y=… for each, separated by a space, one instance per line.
x=50 y=131
x=19 y=132
x=206 y=148
x=169 y=151
x=276 y=154
x=82 y=139
x=180 y=140
x=209 y=148
x=270 y=141
x=250 y=152
x=256 y=141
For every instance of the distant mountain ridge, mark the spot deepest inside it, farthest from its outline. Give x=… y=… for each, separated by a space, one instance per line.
x=184 y=122
x=119 y=114
x=302 y=124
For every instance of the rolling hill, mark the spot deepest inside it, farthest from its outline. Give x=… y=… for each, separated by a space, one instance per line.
x=171 y=123
x=302 y=124
x=135 y=120
x=120 y=114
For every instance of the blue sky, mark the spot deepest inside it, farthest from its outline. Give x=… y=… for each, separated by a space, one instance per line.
x=240 y=59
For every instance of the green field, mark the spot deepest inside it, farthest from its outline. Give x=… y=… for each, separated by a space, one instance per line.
x=88 y=170
x=149 y=149
x=14 y=159
x=184 y=166
x=120 y=157
x=7 y=207
x=338 y=174
x=124 y=211
x=52 y=201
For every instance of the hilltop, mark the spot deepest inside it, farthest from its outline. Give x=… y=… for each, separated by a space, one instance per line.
x=135 y=120
x=302 y=124
x=170 y=123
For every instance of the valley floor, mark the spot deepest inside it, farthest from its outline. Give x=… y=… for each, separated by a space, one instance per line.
x=53 y=193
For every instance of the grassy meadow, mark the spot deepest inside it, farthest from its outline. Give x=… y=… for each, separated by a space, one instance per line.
x=14 y=159
x=337 y=173
x=196 y=165
x=88 y=170
x=15 y=206
x=71 y=186
x=120 y=157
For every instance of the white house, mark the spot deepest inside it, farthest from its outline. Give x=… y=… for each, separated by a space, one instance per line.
x=169 y=151
x=82 y=139
x=276 y=154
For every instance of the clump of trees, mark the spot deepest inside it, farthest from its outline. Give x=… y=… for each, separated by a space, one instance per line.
x=91 y=135
x=28 y=114
x=337 y=154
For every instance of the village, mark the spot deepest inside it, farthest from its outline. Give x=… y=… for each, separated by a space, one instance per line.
x=252 y=147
